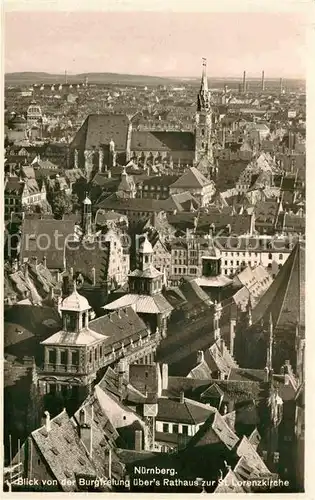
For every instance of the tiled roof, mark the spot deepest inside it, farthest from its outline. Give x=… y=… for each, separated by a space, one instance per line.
x=82 y=260
x=200 y=371
x=285 y=298
x=141 y=303
x=63 y=451
x=214 y=430
x=119 y=325
x=159 y=180
x=191 y=179
x=239 y=224
x=189 y=412
x=181 y=202
x=99 y=130
x=149 y=272
x=84 y=337
x=23 y=322
x=144 y=378
x=104 y=434
x=162 y=141
x=237 y=391
x=32 y=245
x=134 y=204
x=14 y=186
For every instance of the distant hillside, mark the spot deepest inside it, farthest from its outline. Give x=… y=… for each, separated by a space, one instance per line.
x=28 y=78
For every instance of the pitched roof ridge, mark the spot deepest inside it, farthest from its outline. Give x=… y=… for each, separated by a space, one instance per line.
x=296 y=251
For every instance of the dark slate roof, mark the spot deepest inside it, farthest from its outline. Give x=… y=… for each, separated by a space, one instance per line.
x=14 y=186
x=285 y=298
x=144 y=378
x=113 y=202
x=33 y=246
x=118 y=326
x=159 y=180
x=25 y=321
x=99 y=130
x=82 y=260
x=162 y=141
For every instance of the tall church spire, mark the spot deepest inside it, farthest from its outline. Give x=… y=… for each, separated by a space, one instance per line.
x=203 y=146
x=203 y=101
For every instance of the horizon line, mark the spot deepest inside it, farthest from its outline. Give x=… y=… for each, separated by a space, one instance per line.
x=69 y=74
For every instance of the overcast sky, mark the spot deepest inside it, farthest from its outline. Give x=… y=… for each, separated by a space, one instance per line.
x=166 y=44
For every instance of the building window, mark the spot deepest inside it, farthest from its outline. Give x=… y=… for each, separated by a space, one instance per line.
x=270 y=256
x=225 y=262
x=52 y=357
x=165 y=427
x=75 y=358
x=185 y=429
x=175 y=428
x=63 y=357
x=202 y=132
x=280 y=256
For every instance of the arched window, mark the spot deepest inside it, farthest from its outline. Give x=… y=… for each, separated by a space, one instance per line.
x=280 y=256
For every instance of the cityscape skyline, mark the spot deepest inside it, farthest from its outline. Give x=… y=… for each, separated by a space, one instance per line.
x=65 y=35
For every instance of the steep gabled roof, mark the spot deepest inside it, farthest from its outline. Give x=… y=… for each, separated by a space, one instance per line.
x=63 y=451
x=285 y=298
x=99 y=130
x=191 y=179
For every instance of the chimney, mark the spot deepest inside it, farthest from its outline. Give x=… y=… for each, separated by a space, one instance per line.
x=138 y=440
x=287 y=379
x=47 y=421
x=164 y=376
x=244 y=81
x=200 y=357
x=221 y=344
x=263 y=80
x=71 y=272
x=109 y=463
x=232 y=334
x=182 y=397
x=93 y=276
x=109 y=174
x=86 y=431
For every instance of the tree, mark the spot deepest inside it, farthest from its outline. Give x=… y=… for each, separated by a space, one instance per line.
x=61 y=204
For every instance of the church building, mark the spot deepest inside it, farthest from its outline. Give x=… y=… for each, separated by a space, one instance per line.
x=104 y=141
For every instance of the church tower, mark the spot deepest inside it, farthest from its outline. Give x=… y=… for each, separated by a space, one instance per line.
x=87 y=217
x=203 y=146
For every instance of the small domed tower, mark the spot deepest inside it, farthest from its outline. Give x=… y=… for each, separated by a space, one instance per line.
x=145 y=255
x=75 y=312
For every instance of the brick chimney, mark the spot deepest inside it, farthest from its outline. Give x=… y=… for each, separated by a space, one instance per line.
x=200 y=357
x=182 y=397
x=138 y=440
x=47 y=421
x=85 y=431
